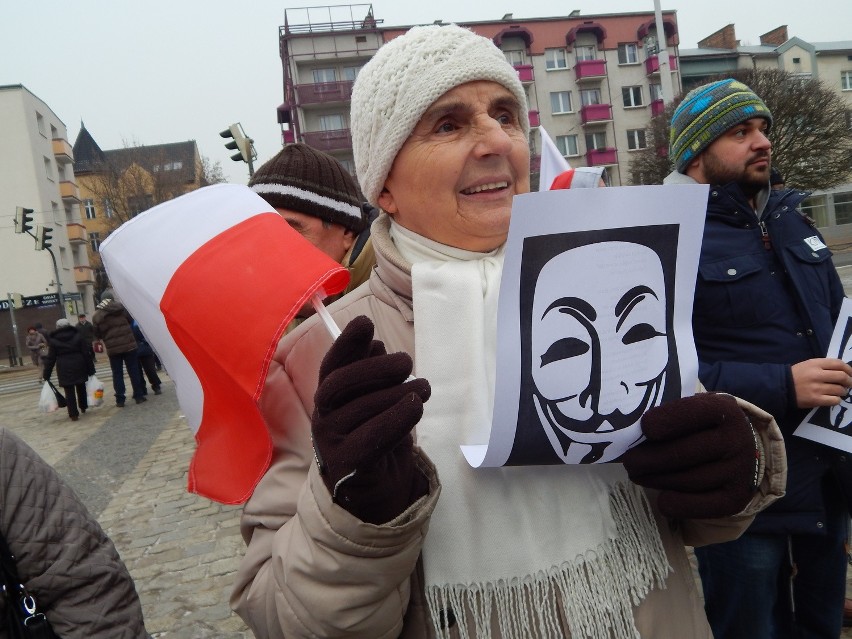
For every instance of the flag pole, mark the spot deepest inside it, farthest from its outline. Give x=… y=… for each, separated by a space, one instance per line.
x=330 y=325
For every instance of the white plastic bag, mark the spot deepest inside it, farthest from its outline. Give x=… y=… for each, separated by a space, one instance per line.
x=47 y=401
x=94 y=391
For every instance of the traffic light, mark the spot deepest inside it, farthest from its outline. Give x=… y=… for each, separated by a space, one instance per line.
x=240 y=142
x=17 y=300
x=23 y=219
x=43 y=236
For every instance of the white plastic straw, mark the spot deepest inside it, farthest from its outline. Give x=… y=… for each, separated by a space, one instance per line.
x=330 y=325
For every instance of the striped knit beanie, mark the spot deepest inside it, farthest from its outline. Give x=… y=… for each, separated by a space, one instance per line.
x=308 y=181
x=706 y=113
x=404 y=78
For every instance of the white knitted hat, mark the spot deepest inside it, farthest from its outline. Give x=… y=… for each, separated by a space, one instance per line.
x=404 y=78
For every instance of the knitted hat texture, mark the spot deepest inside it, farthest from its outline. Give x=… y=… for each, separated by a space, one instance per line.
x=303 y=179
x=62 y=322
x=706 y=113
x=396 y=87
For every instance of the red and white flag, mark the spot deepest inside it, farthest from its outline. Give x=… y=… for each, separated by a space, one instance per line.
x=552 y=162
x=213 y=278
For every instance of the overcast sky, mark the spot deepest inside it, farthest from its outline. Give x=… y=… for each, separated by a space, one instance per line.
x=172 y=70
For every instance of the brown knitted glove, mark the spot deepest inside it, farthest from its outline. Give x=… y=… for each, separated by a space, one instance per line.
x=701 y=453
x=361 y=426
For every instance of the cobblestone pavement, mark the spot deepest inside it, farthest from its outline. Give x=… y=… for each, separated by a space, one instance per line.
x=129 y=466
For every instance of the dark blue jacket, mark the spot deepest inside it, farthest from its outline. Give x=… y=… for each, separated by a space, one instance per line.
x=767 y=297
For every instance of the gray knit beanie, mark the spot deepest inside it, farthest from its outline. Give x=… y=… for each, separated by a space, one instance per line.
x=62 y=322
x=706 y=113
x=303 y=179
x=404 y=78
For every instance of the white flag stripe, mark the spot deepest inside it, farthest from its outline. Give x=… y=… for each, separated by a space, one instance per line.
x=552 y=162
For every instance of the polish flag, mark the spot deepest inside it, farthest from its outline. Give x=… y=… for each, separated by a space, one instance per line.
x=552 y=162
x=213 y=278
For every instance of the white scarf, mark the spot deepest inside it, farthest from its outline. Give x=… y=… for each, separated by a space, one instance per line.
x=529 y=548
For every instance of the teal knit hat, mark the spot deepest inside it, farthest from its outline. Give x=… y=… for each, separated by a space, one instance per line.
x=706 y=113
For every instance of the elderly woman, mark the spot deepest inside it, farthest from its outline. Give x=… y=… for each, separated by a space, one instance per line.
x=365 y=526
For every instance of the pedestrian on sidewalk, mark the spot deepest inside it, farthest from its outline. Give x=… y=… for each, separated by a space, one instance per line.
x=147 y=359
x=36 y=343
x=87 y=330
x=112 y=326
x=69 y=352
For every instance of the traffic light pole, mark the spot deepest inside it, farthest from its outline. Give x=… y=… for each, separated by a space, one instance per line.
x=15 y=329
x=58 y=283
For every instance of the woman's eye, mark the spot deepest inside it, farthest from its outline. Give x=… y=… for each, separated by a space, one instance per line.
x=564 y=349
x=446 y=127
x=640 y=333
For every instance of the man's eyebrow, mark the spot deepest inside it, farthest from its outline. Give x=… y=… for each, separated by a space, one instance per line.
x=630 y=299
x=296 y=224
x=579 y=305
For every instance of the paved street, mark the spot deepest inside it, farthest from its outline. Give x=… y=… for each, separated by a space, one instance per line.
x=129 y=465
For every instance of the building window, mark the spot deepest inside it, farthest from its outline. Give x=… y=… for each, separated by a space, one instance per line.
x=656 y=91
x=350 y=73
x=89 y=206
x=636 y=139
x=560 y=102
x=138 y=203
x=628 y=53
x=846 y=80
x=590 y=96
x=816 y=208
x=48 y=168
x=514 y=58
x=54 y=134
x=567 y=145
x=632 y=96
x=40 y=123
x=595 y=141
x=555 y=59
x=108 y=210
x=842 y=208
x=332 y=122
x=585 y=52
x=95 y=241
x=325 y=75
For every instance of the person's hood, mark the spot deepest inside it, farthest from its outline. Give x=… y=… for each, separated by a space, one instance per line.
x=110 y=306
x=64 y=334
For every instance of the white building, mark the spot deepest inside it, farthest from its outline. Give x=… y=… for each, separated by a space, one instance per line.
x=36 y=172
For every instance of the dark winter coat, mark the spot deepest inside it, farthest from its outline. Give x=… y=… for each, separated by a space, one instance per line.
x=71 y=355
x=87 y=331
x=113 y=327
x=63 y=555
x=767 y=297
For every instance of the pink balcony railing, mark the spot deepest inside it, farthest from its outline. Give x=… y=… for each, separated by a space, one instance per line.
x=652 y=64
x=534 y=119
x=597 y=157
x=334 y=140
x=324 y=92
x=658 y=107
x=525 y=73
x=590 y=69
x=595 y=113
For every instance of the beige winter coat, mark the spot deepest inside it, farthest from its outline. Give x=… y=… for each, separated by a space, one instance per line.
x=313 y=570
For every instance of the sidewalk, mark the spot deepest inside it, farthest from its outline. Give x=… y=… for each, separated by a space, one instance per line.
x=129 y=466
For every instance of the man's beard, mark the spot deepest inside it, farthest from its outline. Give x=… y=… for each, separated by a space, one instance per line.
x=751 y=182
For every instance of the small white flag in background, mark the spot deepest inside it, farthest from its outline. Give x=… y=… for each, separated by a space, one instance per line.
x=213 y=278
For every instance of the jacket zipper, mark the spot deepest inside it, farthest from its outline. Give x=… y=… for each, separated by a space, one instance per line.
x=764 y=235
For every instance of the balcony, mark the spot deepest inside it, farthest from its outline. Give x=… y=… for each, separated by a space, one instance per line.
x=69 y=191
x=595 y=113
x=601 y=157
x=288 y=136
x=590 y=70
x=534 y=119
x=62 y=151
x=334 y=140
x=324 y=92
x=652 y=64
x=84 y=275
x=525 y=73
x=658 y=107
x=77 y=233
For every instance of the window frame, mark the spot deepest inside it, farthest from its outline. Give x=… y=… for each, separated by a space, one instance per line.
x=555 y=53
x=846 y=80
x=564 y=146
x=633 y=141
x=626 y=47
x=554 y=94
x=634 y=91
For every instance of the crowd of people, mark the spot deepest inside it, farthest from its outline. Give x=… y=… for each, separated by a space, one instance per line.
x=370 y=523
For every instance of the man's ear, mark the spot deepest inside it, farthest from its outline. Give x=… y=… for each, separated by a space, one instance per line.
x=387 y=203
x=695 y=169
x=349 y=238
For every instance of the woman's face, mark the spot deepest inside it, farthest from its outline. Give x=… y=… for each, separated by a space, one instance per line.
x=454 y=178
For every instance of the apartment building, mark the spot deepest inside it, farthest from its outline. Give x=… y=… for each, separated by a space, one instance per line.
x=830 y=62
x=592 y=81
x=37 y=172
